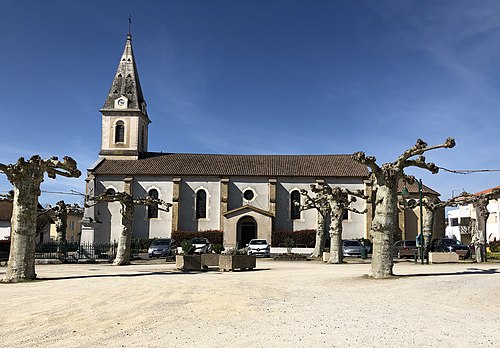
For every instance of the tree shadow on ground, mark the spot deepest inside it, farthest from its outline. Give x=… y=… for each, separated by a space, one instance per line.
x=468 y=271
x=122 y=275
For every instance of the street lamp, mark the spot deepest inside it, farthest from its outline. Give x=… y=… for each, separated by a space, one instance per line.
x=406 y=193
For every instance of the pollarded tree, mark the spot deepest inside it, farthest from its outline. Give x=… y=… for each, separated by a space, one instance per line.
x=332 y=204
x=321 y=204
x=430 y=206
x=26 y=177
x=385 y=180
x=127 y=211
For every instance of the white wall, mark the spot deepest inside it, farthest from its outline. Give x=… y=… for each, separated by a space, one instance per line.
x=4 y=229
x=187 y=217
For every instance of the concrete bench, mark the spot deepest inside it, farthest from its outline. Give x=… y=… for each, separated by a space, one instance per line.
x=443 y=257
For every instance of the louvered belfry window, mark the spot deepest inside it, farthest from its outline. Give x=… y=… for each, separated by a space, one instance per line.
x=119 y=132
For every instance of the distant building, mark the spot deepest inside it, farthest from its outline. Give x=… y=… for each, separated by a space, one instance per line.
x=5 y=217
x=74 y=229
x=245 y=196
x=43 y=223
x=461 y=220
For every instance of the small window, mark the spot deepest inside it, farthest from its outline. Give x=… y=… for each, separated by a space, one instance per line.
x=153 y=209
x=248 y=195
x=110 y=192
x=345 y=215
x=454 y=222
x=465 y=221
x=295 y=205
x=201 y=204
x=119 y=132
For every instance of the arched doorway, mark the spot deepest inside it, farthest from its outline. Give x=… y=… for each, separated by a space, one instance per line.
x=247 y=230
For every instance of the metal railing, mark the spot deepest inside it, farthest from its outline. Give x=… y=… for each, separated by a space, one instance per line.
x=74 y=251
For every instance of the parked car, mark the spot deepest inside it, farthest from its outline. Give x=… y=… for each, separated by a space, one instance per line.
x=259 y=247
x=352 y=247
x=450 y=245
x=404 y=248
x=162 y=248
x=201 y=245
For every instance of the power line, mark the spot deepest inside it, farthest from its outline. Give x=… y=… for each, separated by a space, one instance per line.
x=72 y=193
x=468 y=171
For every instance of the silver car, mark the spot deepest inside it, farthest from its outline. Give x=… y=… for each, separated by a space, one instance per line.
x=353 y=247
x=259 y=247
x=162 y=248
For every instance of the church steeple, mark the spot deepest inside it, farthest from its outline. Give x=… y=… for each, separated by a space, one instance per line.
x=126 y=82
x=124 y=115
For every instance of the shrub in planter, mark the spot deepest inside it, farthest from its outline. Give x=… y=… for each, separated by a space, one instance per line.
x=217 y=248
x=187 y=248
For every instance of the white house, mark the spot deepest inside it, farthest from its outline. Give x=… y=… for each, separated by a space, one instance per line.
x=461 y=220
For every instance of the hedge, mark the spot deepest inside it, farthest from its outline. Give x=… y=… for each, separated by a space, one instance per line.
x=213 y=236
x=302 y=237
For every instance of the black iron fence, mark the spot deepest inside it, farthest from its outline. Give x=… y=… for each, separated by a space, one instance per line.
x=74 y=252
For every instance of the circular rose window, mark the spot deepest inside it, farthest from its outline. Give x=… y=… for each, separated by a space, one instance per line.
x=248 y=195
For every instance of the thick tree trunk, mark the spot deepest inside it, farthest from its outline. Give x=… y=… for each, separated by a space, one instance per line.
x=428 y=215
x=336 y=252
x=319 y=247
x=21 y=265
x=123 y=250
x=382 y=231
x=479 y=239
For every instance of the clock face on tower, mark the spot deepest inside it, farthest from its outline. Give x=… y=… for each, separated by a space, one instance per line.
x=121 y=103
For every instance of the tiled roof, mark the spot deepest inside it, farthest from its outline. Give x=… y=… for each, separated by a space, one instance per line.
x=487 y=191
x=413 y=188
x=236 y=165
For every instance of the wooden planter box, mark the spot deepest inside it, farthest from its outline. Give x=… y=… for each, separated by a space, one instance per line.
x=188 y=262
x=209 y=260
x=232 y=262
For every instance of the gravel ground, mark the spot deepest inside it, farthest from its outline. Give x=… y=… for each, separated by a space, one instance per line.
x=280 y=304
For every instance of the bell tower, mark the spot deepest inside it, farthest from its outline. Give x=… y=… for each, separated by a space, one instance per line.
x=125 y=119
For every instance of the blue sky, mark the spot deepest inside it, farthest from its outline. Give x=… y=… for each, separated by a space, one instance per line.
x=258 y=77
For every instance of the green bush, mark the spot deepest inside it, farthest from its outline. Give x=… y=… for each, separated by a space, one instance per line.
x=187 y=247
x=213 y=236
x=217 y=248
x=301 y=237
x=495 y=246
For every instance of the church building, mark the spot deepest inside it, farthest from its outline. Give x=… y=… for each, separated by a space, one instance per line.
x=245 y=196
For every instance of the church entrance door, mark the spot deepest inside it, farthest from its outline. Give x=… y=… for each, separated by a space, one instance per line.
x=246 y=230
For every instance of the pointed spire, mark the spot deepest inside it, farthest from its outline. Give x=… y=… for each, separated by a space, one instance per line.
x=126 y=82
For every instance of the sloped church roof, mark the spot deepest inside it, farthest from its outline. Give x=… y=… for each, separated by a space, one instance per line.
x=236 y=165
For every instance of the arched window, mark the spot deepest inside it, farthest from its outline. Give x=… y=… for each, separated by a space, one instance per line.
x=119 y=132
x=110 y=192
x=153 y=209
x=295 y=205
x=201 y=204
